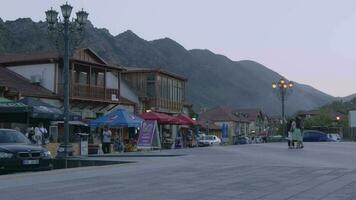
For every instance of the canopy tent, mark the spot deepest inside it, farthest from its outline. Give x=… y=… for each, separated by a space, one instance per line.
x=161 y=118
x=119 y=118
x=185 y=120
x=42 y=110
x=12 y=111
x=10 y=106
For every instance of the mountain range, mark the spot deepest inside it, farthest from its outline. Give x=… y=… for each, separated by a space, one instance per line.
x=213 y=79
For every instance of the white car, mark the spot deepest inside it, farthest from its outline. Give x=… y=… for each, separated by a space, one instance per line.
x=334 y=137
x=209 y=140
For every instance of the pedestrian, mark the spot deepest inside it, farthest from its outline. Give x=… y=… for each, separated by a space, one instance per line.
x=42 y=134
x=296 y=135
x=106 y=140
x=30 y=134
x=300 y=126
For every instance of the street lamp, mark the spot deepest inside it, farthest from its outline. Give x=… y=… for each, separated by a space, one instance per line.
x=283 y=86
x=64 y=30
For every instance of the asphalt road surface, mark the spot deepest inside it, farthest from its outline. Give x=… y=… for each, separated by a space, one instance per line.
x=259 y=171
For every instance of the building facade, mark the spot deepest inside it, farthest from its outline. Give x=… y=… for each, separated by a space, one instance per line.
x=219 y=116
x=94 y=84
x=258 y=121
x=158 y=90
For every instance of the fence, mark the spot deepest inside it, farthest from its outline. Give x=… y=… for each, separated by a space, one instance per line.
x=349 y=134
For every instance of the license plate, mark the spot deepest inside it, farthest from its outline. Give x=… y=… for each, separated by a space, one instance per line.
x=30 y=162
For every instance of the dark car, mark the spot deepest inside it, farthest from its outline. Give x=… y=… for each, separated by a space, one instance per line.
x=242 y=140
x=17 y=153
x=315 y=136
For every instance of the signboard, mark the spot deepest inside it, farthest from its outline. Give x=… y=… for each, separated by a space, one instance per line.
x=352 y=118
x=149 y=135
x=225 y=133
x=84 y=148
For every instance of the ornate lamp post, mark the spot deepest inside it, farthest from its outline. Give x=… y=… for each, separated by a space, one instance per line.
x=64 y=30
x=282 y=87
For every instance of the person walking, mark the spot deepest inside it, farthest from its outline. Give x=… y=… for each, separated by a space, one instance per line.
x=300 y=125
x=106 y=140
x=296 y=135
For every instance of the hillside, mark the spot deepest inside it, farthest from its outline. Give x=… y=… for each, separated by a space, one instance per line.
x=213 y=79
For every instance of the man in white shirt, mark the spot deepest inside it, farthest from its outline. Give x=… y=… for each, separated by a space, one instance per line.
x=106 y=140
x=41 y=135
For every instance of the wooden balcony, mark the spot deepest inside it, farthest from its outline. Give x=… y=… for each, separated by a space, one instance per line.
x=165 y=105
x=91 y=92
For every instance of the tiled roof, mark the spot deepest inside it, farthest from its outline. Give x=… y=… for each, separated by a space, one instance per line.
x=16 y=82
x=48 y=56
x=251 y=114
x=222 y=114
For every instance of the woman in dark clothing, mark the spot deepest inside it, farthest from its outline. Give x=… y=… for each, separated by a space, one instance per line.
x=300 y=125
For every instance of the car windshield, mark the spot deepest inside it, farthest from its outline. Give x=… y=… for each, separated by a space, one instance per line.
x=12 y=136
x=209 y=137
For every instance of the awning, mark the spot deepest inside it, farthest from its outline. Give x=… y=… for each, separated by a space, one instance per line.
x=119 y=118
x=78 y=123
x=42 y=110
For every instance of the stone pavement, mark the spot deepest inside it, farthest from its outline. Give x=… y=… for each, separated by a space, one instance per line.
x=261 y=171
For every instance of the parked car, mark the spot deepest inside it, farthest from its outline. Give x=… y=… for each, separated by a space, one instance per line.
x=334 y=137
x=275 y=138
x=242 y=140
x=17 y=153
x=315 y=136
x=208 y=140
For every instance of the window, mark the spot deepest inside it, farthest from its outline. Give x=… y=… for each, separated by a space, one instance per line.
x=83 y=78
x=100 y=81
x=151 y=86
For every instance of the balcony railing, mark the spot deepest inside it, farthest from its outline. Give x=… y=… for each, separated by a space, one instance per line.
x=164 y=104
x=91 y=92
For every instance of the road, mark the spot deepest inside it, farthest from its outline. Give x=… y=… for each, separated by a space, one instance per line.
x=259 y=171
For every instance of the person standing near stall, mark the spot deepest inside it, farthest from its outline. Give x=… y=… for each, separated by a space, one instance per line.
x=106 y=140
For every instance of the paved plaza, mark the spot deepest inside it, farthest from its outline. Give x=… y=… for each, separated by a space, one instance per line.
x=259 y=171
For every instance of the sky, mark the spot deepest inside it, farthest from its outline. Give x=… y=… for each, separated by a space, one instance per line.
x=307 y=41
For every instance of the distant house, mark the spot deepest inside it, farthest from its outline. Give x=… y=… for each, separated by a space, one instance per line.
x=237 y=125
x=95 y=84
x=258 y=121
x=308 y=114
x=158 y=89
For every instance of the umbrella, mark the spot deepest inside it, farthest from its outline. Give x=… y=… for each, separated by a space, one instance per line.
x=185 y=120
x=119 y=118
x=12 y=111
x=161 y=118
x=10 y=106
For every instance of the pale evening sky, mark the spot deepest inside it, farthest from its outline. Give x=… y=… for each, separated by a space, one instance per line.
x=308 y=41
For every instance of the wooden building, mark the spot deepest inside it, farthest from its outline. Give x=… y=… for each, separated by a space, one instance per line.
x=94 y=83
x=158 y=90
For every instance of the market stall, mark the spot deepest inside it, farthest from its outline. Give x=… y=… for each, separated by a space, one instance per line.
x=123 y=124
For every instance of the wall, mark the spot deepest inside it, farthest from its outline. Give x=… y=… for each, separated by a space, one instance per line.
x=231 y=130
x=112 y=81
x=127 y=92
x=46 y=71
